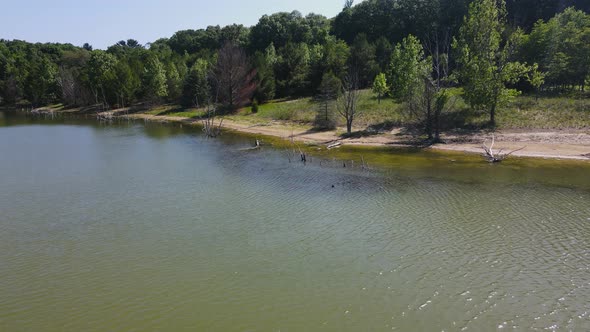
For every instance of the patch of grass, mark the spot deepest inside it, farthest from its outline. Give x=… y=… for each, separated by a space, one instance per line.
x=524 y=112
x=373 y=112
x=160 y=109
x=190 y=113
x=298 y=110
x=176 y=111
x=304 y=110
x=545 y=113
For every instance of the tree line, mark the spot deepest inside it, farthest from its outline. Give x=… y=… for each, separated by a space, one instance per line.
x=411 y=50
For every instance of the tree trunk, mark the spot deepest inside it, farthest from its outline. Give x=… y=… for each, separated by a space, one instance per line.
x=493 y=115
x=437 y=126
x=429 y=119
x=349 y=126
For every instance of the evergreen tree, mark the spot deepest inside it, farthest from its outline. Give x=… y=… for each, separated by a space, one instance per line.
x=196 y=88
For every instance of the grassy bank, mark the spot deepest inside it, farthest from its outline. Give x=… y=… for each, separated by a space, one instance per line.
x=524 y=112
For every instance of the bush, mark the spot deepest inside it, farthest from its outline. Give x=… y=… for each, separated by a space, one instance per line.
x=254 y=106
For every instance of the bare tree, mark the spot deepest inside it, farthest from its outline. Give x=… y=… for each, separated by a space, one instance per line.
x=348 y=101
x=212 y=127
x=438 y=46
x=421 y=103
x=233 y=76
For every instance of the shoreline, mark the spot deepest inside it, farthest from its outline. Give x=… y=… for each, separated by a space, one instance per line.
x=551 y=144
x=543 y=144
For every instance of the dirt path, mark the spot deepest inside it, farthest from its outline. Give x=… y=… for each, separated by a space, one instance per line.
x=573 y=144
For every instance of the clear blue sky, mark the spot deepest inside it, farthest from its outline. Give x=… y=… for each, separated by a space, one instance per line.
x=104 y=22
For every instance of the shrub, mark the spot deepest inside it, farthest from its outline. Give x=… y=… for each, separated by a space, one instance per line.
x=254 y=106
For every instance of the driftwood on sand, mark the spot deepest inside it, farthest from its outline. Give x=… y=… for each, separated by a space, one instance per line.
x=496 y=157
x=334 y=145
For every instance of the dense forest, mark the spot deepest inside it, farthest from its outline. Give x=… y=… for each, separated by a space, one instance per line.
x=411 y=50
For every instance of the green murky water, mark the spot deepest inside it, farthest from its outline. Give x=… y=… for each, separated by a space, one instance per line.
x=133 y=227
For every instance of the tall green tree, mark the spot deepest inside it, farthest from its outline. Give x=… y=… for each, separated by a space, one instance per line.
x=264 y=63
x=561 y=47
x=486 y=64
x=329 y=91
x=336 y=55
x=292 y=73
x=126 y=83
x=154 y=79
x=173 y=82
x=196 y=88
x=406 y=68
x=362 y=56
x=41 y=80
x=100 y=71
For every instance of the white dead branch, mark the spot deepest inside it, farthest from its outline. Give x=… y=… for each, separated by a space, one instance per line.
x=496 y=157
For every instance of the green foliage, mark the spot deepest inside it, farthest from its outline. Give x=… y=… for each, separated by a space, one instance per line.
x=100 y=72
x=40 y=80
x=329 y=91
x=126 y=83
x=395 y=19
x=561 y=47
x=380 y=87
x=196 y=88
x=154 y=79
x=336 y=54
x=293 y=69
x=485 y=64
x=265 y=77
x=283 y=28
x=383 y=51
x=363 y=59
x=535 y=78
x=406 y=68
x=173 y=82
x=255 y=106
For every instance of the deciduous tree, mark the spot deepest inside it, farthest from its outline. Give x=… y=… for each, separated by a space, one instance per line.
x=234 y=77
x=486 y=64
x=380 y=87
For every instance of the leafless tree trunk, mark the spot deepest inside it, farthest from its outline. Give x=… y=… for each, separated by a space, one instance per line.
x=438 y=46
x=348 y=101
x=420 y=104
x=212 y=126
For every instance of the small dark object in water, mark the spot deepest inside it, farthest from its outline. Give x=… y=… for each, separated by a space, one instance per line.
x=333 y=186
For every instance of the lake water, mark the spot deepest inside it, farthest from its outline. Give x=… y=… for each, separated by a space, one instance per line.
x=146 y=227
